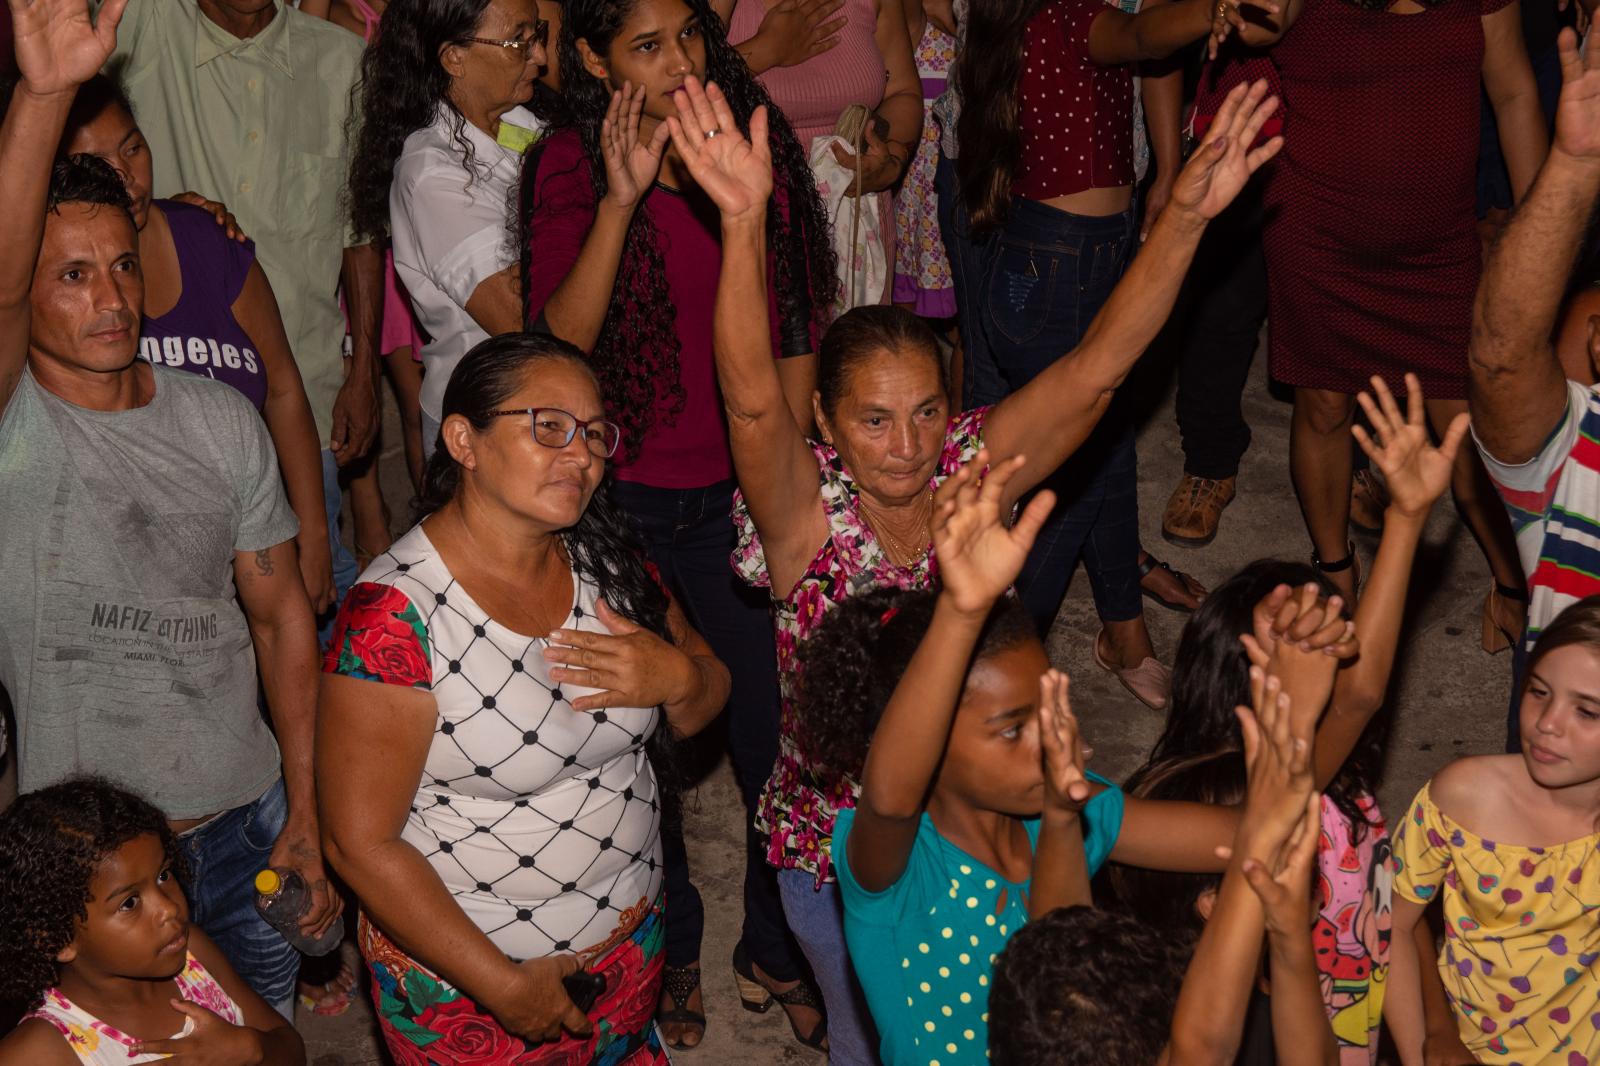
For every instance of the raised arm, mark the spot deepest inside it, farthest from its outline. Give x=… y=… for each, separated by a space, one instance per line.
x=979 y=558
x=1049 y=417
x=1209 y=1021
x=576 y=310
x=776 y=469
x=58 y=48
x=1516 y=389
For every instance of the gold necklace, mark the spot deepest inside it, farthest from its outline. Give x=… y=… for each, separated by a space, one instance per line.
x=906 y=557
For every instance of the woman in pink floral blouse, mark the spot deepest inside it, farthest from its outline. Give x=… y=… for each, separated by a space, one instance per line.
x=822 y=521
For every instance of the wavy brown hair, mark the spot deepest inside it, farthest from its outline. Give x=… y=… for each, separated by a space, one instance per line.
x=988 y=76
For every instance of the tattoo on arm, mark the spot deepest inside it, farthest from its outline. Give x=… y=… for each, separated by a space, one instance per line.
x=264 y=563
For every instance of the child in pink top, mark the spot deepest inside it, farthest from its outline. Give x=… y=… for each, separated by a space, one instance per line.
x=95 y=932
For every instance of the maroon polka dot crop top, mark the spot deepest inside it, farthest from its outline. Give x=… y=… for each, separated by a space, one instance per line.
x=1076 y=118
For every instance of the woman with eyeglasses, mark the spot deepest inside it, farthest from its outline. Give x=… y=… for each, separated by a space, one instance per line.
x=500 y=691
x=442 y=135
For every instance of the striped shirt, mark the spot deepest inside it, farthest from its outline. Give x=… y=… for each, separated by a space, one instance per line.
x=1554 y=502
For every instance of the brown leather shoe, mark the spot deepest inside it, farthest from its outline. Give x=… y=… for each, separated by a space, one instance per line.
x=1195 y=509
x=1369 y=496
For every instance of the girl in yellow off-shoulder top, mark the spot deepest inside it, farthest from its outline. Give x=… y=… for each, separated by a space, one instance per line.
x=1509 y=844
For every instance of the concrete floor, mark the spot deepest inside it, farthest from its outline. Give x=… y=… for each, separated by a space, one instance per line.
x=1449 y=701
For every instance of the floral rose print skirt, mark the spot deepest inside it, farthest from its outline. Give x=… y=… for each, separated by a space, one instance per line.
x=425 y=1021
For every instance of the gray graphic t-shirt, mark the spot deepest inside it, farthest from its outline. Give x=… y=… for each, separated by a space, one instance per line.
x=122 y=645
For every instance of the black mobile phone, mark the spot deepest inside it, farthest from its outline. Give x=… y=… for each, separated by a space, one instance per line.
x=584 y=987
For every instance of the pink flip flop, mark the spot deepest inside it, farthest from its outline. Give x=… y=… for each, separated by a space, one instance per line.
x=1150 y=681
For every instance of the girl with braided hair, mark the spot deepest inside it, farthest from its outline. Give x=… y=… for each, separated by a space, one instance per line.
x=622 y=253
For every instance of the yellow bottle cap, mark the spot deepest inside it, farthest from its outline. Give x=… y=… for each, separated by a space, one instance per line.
x=268 y=882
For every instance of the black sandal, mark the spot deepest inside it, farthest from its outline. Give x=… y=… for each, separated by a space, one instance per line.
x=758 y=999
x=1150 y=563
x=680 y=983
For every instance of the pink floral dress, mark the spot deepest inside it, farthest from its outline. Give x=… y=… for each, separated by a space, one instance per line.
x=796 y=810
x=99 y=1044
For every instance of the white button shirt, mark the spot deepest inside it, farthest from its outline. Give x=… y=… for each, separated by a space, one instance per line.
x=451 y=230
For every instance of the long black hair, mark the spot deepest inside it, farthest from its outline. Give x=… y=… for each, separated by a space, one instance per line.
x=51 y=844
x=402 y=85
x=1211 y=676
x=636 y=353
x=989 y=78
x=604 y=545
x=850 y=666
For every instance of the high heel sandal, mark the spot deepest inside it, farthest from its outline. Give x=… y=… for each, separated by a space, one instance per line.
x=680 y=984
x=1350 y=562
x=1496 y=638
x=757 y=998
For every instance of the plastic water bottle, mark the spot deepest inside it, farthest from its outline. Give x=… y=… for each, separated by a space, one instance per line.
x=283 y=899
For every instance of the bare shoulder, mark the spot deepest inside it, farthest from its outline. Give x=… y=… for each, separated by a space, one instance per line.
x=36 y=1043
x=1468 y=788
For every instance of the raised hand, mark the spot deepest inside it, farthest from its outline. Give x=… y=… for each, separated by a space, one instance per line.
x=631 y=165
x=735 y=171
x=1578 y=110
x=58 y=46
x=1283 y=880
x=1277 y=753
x=1416 y=472
x=978 y=556
x=1065 y=785
x=1302 y=618
x=632 y=667
x=1222 y=164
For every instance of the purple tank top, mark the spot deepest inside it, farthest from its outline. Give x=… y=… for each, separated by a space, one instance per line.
x=200 y=334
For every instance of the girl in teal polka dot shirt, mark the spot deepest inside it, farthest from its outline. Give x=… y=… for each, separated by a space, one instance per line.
x=975 y=810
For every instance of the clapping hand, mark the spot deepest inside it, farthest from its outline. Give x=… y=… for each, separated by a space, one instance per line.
x=58 y=46
x=1219 y=168
x=978 y=556
x=631 y=165
x=1301 y=639
x=1281 y=874
x=735 y=171
x=1416 y=472
x=1066 y=787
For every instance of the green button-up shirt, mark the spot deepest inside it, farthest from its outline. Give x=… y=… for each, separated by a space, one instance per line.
x=259 y=124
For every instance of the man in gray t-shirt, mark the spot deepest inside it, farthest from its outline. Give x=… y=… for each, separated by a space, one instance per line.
x=147 y=559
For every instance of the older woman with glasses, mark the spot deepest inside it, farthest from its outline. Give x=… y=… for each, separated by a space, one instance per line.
x=491 y=729
x=442 y=135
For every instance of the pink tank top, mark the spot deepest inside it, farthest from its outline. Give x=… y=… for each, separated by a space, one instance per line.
x=99 y=1044
x=813 y=94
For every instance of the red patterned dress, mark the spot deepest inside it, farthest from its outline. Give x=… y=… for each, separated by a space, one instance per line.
x=1371 y=245
x=540 y=820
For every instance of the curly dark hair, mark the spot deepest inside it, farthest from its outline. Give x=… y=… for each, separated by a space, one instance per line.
x=1211 y=676
x=989 y=77
x=605 y=544
x=1084 y=987
x=51 y=843
x=402 y=86
x=850 y=666
x=87 y=179
x=636 y=354
x=1169 y=901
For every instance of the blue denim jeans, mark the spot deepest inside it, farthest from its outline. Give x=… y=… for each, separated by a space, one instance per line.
x=689 y=536
x=1048 y=274
x=817 y=918
x=345 y=570
x=224 y=855
x=967 y=257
